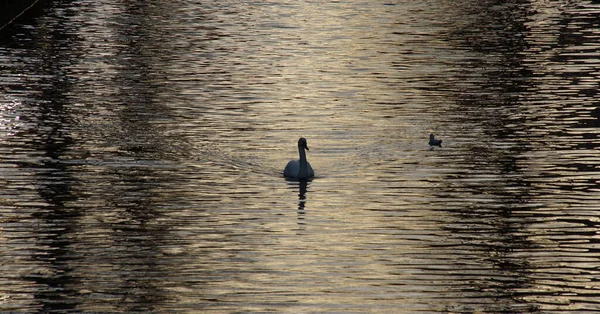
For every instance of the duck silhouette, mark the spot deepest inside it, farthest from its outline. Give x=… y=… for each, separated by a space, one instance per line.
x=434 y=142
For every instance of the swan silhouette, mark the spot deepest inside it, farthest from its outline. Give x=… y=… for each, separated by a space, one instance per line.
x=434 y=142
x=299 y=169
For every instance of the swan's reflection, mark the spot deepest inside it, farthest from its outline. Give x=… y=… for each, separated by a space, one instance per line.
x=303 y=184
x=302 y=190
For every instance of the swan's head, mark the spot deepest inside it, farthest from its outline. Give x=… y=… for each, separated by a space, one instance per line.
x=431 y=137
x=302 y=143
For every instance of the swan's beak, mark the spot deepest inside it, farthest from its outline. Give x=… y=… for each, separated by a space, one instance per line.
x=306 y=146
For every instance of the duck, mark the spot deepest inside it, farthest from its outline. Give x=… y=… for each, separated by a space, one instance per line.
x=299 y=169
x=433 y=141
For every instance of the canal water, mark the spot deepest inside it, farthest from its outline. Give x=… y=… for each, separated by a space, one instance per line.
x=142 y=145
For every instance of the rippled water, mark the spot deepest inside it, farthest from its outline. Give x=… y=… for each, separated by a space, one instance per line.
x=142 y=144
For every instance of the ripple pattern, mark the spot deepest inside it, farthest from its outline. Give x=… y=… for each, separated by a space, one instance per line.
x=142 y=145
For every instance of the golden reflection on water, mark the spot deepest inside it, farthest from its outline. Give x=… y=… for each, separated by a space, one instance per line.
x=144 y=173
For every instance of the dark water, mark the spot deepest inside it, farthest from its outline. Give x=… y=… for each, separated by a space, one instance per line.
x=142 y=144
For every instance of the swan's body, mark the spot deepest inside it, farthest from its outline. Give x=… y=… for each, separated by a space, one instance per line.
x=434 y=142
x=299 y=169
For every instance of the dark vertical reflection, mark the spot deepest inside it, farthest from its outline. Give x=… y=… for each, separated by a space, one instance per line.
x=302 y=187
x=140 y=110
x=136 y=241
x=506 y=98
x=64 y=181
x=58 y=221
x=491 y=89
x=137 y=238
x=49 y=138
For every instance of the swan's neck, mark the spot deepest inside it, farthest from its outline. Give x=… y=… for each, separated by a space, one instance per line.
x=303 y=165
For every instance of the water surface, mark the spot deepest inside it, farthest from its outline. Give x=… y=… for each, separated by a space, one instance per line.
x=142 y=145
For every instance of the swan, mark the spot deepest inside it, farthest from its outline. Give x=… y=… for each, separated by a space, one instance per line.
x=434 y=142
x=299 y=169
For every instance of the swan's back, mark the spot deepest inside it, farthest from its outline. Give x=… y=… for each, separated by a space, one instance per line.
x=311 y=173
x=291 y=169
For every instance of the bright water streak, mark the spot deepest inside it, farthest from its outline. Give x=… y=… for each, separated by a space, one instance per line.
x=142 y=145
